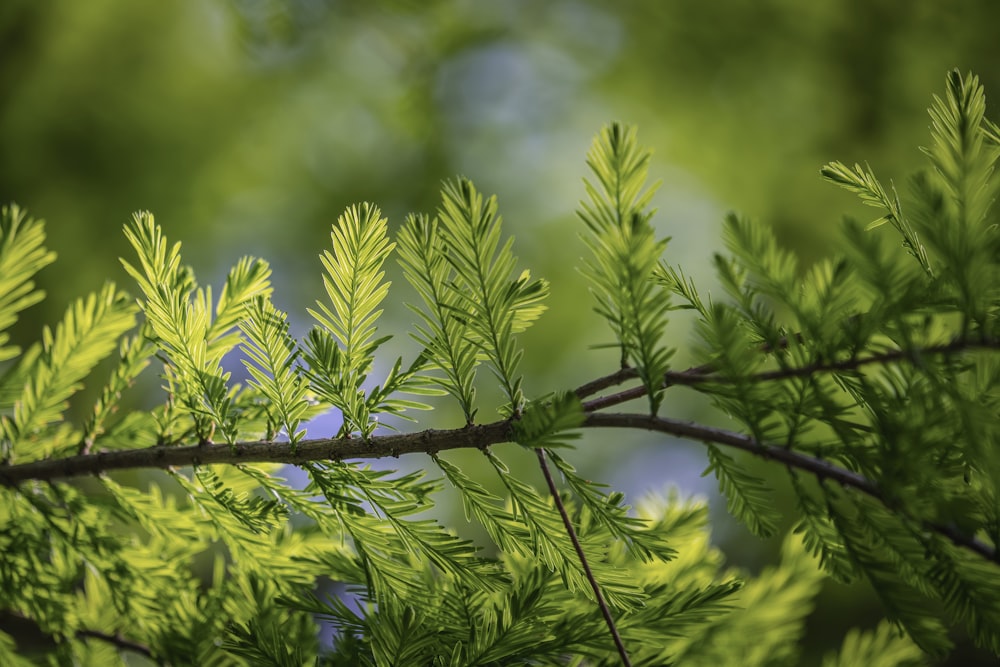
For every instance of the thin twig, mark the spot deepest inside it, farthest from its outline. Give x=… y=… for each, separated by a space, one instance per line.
x=858 y=362
x=26 y=625
x=605 y=611
x=704 y=374
x=602 y=383
x=117 y=640
x=821 y=468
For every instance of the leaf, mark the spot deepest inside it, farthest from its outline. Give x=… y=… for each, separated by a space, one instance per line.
x=495 y=306
x=383 y=400
x=22 y=255
x=353 y=281
x=769 y=622
x=862 y=182
x=262 y=645
x=341 y=351
x=487 y=509
x=968 y=587
x=272 y=356
x=552 y=546
x=445 y=335
x=885 y=646
x=545 y=423
x=180 y=316
x=347 y=487
x=893 y=561
x=87 y=334
x=626 y=255
x=133 y=358
x=747 y=497
x=958 y=153
x=820 y=536
x=610 y=511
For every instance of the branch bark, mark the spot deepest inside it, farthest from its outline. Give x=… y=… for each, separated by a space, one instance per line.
x=704 y=374
x=821 y=468
x=432 y=441
x=323 y=449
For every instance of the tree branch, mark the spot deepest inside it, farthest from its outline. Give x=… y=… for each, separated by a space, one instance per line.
x=431 y=441
x=118 y=641
x=336 y=449
x=821 y=468
x=705 y=374
x=602 y=383
x=609 y=620
x=27 y=631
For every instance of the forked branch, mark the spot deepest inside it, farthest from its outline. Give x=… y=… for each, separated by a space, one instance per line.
x=432 y=441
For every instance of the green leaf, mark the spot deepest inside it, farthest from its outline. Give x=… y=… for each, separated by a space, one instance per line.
x=495 y=306
x=550 y=543
x=87 y=334
x=382 y=399
x=959 y=152
x=611 y=513
x=862 y=182
x=768 y=624
x=487 y=509
x=263 y=645
x=820 y=536
x=271 y=362
x=180 y=316
x=446 y=334
x=133 y=358
x=353 y=280
x=247 y=281
x=341 y=351
x=346 y=487
x=968 y=586
x=626 y=254
x=546 y=423
x=894 y=562
x=22 y=255
x=885 y=646
x=747 y=497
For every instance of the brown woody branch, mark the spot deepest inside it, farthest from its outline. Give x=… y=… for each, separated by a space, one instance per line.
x=431 y=441
x=29 y=634
x=821 y=468
x=482 y=436
x=324 y=449
x=118 y=641
x=705 y=374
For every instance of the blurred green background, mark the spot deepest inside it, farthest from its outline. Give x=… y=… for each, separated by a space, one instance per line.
x=246 y=127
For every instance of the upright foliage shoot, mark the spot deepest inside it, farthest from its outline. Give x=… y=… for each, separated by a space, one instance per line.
x=871 y=378
x=625 y=253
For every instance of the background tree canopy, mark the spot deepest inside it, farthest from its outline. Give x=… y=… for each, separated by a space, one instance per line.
x=248 y=126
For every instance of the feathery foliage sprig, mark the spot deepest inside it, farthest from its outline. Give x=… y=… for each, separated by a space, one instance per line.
x=192 y=337
x=625 y=254
x=271 y=361
x=52 y=371
x=870 y=380
x=495 y=306
x=22 y=255
x=341 y=350
x=445 y=334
